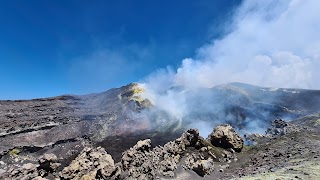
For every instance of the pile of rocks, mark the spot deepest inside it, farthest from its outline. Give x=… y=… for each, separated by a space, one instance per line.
x=92 y=163
x=141 y=161
x=199 y=164
x=280 y=127
x=48 y=163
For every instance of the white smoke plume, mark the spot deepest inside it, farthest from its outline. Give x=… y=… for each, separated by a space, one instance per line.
x=271 y=43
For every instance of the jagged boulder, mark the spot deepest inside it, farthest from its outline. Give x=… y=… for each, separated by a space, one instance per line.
x=199 y=165
x=226 y=137
x=190 y=138
x=203 y=167
x=134 y=153
x=92 y=163
x=48 y=164
x=48 y=158
x=140 y=162
x=143 y=146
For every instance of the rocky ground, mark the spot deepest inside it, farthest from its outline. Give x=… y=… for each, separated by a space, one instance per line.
x=290 y=153
x=286 y=151
x=105 y=136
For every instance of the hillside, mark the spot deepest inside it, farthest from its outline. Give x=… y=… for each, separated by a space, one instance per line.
x=118 y=118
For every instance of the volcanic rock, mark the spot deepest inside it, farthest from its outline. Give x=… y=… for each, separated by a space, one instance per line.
x=27 y=171
x=280 y=127
x=199 y=165
x=140 y=162
x=226 y=137
x=48 y=163
x=90 y=164
x=144 y=145
x=203 y=167
x=48 y=158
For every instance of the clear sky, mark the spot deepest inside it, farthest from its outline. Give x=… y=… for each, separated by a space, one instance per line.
x=54 y=47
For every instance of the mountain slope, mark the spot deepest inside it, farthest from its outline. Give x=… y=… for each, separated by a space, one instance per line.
x=118 y=118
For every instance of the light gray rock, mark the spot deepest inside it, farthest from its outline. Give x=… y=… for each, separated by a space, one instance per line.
x=226 y=137
x=90 y=164
x=141 y=162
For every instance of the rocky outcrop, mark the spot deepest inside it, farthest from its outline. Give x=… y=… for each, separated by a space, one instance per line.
x=182 y=158
x=198 y=164
x=48 y=163
x=137 y=161
x=226 y=137
x=90 y=164
x=26 y=171
x=140 y=162
x=280 y=127
x=277 y=128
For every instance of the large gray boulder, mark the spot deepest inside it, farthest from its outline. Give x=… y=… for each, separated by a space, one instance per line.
x=90 y=164
x=226 y=137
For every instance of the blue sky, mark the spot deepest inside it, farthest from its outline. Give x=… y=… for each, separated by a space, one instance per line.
x=50 y=48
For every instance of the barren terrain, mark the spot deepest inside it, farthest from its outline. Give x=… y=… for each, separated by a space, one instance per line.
x=116 y=120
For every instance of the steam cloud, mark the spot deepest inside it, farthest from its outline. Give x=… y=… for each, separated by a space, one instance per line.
x=271 y=43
